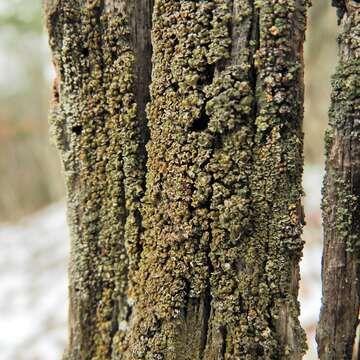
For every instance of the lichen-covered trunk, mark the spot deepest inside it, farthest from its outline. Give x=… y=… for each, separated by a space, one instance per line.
x=186 y=222
x=102 y=55
x=341 y=208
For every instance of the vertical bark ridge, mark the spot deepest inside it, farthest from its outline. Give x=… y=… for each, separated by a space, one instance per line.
x=232 y=220
x=262 y=304
x=341 y=210
x=189 y=39
x=276 y=182
x=99 y=130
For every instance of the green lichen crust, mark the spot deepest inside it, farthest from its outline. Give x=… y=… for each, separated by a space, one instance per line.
x=222 y=218
x=341 y=210
x=96 y=126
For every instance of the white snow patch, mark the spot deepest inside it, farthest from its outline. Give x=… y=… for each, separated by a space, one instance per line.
x=33 y=276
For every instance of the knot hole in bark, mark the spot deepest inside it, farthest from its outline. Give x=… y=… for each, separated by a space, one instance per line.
x=200 y=123
x=85 y=51
x=77 y=129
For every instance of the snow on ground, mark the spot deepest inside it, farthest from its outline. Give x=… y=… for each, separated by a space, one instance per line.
x=310 y=266
x=33 y=276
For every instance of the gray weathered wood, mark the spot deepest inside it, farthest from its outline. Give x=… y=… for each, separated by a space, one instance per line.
x=341 y=210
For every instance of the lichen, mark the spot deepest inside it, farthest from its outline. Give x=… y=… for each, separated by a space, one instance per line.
x=341 y=194
x=222 y=213
x=276 y=180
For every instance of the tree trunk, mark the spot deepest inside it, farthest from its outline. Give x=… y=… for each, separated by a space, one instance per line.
x=341 y=211
x=188 y=247
x=98 y=123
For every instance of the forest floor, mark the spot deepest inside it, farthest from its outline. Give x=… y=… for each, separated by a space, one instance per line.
x=33 y=300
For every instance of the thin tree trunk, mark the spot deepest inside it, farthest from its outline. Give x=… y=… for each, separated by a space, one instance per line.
x=341 y=210
x=200 y=260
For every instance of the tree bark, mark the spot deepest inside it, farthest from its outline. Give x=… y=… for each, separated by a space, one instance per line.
x=185 y=223
x=99 y=125
x=341 y=211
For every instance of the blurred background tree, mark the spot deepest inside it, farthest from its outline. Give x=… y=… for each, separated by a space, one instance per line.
x=30 y=175
x=320 y=61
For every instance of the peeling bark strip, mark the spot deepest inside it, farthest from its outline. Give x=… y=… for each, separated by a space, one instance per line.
x=200 y=260
x=341 y=210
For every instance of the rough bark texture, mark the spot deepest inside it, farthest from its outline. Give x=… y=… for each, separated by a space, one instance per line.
x=341 y=210
x=200 y=259
x=98 y=123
